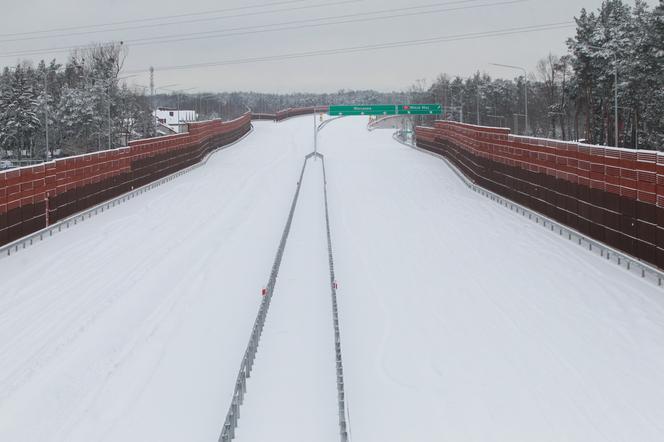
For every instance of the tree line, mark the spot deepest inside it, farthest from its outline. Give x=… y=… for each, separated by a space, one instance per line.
x=77 y=107
x=572 y=97
x=83 y=105
x=229 y=105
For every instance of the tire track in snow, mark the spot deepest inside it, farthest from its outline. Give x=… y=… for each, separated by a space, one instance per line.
x=77 y=315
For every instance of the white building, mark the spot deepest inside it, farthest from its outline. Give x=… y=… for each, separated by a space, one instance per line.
x=174 y=119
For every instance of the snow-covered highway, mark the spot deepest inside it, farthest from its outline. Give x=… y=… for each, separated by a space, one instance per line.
x=131 y=325
x=463 y=321
x=459 y=319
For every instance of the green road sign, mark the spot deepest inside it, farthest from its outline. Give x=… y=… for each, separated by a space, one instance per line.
x=420 y=109
x=387 y=109
x=374 y=109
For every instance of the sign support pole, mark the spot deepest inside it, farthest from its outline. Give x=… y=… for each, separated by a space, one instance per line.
x=315 y=133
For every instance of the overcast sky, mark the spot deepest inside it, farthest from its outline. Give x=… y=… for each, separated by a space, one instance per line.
x=387 y=69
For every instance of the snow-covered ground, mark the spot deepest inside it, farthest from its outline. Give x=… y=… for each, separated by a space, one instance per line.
x=460 y=320
x=131 y=326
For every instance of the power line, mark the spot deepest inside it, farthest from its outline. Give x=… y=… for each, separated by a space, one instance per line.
x=198 y=20
x=148 y=19
x=306 y=23
x=367 y=48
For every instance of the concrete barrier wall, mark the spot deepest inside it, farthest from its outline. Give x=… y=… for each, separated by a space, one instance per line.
x=613 y=195
x=57 y=189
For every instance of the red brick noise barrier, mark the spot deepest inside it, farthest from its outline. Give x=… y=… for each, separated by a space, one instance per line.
x=31 y=196
x=289 y=113
x=613 y=195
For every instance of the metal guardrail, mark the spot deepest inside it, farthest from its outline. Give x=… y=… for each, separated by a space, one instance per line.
x=344 y=413
x=627 y=262
x=371 y=125
x=233 y=414
x=341 y=395
x=47 y=232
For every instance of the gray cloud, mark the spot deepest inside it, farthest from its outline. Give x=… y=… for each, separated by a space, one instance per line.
x=389 y=69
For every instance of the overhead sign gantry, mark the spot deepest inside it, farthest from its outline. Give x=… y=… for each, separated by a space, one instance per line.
x=387 y=109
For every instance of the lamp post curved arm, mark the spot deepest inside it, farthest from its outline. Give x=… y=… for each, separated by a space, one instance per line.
x=525 y=77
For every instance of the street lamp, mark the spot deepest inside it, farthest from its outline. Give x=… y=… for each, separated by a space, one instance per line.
x=615 y=92
x=525 y=76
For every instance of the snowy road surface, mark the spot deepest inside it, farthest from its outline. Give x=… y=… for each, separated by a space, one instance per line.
x=292 y=392
x=460 y=320
x=131 y=326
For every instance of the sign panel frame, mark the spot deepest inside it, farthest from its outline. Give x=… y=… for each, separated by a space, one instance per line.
x=419 y=109
x=385 y=109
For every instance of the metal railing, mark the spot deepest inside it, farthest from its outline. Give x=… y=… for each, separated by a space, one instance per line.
x=344 y=414
x=233 y=414
x=47 y=232
x=372 y=125
x=341 y=395
x=627 y=262
x=240 y=389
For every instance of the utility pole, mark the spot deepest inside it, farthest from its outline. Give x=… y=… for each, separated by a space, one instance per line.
x=315 y=132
